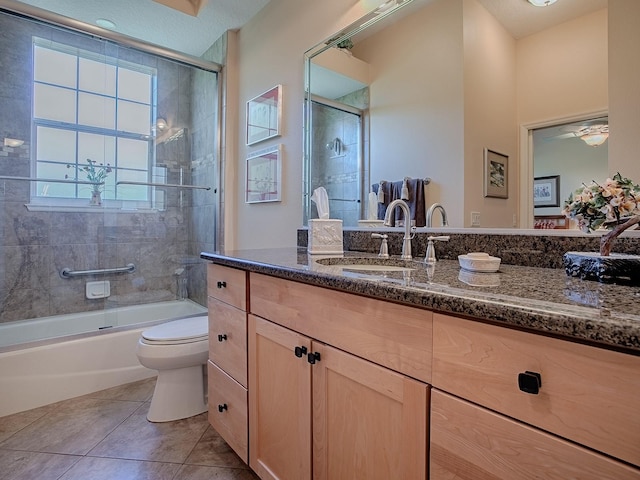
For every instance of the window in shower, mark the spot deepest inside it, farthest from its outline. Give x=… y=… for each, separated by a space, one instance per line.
x=91 y=106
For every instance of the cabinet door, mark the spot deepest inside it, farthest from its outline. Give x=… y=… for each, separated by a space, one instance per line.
x=469 y=442
x=279 y=403
x=369 y=423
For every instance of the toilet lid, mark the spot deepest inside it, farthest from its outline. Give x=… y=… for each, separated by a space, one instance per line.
x=184 y=330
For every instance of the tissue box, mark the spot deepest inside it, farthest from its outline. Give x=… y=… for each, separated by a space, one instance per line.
x=325 y=236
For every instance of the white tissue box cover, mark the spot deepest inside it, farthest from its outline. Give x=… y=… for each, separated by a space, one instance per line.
x=325 y=236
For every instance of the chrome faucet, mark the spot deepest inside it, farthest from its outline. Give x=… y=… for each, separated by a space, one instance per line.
x=433 y=208
x=406 y=242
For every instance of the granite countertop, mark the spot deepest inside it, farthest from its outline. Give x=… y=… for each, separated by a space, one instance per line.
x=544 y=300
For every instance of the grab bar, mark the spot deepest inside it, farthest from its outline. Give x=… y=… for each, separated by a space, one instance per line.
x=171 y=185
x=50 y=180
x=68 y=273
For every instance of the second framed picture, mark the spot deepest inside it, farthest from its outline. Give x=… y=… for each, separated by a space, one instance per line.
x=264 y=176
x=496 y=174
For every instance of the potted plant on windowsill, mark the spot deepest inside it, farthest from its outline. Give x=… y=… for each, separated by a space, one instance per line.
x=96 y=174
x=615 y=206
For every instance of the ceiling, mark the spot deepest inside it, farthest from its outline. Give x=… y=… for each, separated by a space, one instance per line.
x=523 y=19
x=159 y=24
x=156 y=23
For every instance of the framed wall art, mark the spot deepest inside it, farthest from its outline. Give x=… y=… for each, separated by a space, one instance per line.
x=264 y=114
x=496 y=174
x=264 y=176
x=546 y=191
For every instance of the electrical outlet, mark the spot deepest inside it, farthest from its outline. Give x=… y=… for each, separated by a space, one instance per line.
x=515 y=220
x=475 y=219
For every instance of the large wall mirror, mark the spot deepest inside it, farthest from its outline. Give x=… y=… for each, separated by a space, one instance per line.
x=421 y=88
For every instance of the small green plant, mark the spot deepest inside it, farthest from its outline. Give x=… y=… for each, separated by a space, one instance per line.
x=345 y=44
x=94 y=173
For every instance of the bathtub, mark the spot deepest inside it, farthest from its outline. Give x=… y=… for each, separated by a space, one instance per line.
x=46 y=360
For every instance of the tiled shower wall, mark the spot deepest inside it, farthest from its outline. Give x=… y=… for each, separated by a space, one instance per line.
x=35 y=246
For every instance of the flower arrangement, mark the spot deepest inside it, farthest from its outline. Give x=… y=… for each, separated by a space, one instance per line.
x=615 y=205
x=95 y=173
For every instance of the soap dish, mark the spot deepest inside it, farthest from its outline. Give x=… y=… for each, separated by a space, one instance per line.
x=479 y=262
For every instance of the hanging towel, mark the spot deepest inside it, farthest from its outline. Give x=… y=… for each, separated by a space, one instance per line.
x=393 y=190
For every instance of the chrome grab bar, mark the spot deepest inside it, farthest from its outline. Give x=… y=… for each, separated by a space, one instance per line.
x=171 y=185
x=49 y=180
x=68 y=273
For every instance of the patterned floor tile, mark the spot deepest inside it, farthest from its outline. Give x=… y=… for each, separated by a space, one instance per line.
x=75 y=427
x=30 y=465
x=117 y=469
x=139 y=439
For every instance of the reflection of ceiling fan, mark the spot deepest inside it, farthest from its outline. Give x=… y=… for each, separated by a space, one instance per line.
x=593 y=133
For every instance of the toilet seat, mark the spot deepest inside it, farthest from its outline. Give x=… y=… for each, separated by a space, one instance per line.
x=177 y=332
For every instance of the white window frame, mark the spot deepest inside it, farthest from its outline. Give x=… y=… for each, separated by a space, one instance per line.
x=39 y=201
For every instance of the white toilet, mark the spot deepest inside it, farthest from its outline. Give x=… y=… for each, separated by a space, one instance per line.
x=178 y=350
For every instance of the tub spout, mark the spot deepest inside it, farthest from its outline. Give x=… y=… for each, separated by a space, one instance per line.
x=406 y=242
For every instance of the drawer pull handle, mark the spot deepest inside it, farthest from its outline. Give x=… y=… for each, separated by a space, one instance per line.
x=313 y=357
x=300 y=351
x=222 y=284
x=222 y=337
x=529 y=382
x=222 y=408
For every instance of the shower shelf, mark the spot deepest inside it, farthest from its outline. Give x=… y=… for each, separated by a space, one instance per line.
x=68 y=273
x=170 y=185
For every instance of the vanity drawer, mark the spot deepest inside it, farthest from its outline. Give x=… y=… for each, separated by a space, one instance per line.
x=228 y=339
x=587 y=394
x=228 y=412
x=395 y=336
x=469 y=442
x=228 y=285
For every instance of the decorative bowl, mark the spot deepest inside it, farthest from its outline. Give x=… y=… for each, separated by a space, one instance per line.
x=479 y=262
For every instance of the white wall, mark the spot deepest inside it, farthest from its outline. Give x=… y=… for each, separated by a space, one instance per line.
x=270 y=52
x=624 y=88
x=489 y=114
x=560 y=70
x=416 y=111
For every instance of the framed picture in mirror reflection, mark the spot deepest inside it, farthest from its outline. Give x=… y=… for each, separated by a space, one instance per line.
x=546 y=191
x=264 y=115
x=496 y=174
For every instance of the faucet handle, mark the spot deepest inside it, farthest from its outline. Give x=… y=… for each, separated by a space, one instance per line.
x=384 y=248
x=430 y=257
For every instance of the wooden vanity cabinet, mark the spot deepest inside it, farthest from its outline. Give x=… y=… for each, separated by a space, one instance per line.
x=321 y=412
x=227 y=365
x=508 y=382
x=469 y=442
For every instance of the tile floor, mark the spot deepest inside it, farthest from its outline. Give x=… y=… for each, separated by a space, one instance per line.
x=106 y=436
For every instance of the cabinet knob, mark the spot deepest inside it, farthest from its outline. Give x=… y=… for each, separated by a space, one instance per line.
x=300 y=351
x=313 y=357
x=222 y=337
x=529 y=382
x=222 y=408
x=222 y=284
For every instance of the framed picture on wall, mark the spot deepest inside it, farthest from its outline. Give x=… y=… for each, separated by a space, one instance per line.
x=264 y=176
x=546 y=191
x=264 y=115
x=496 y=178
